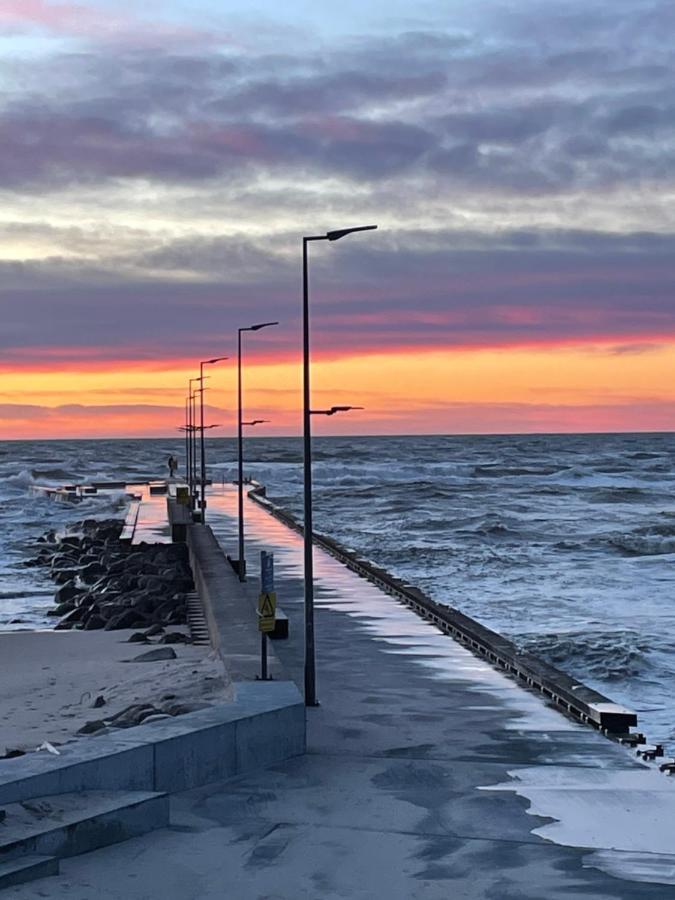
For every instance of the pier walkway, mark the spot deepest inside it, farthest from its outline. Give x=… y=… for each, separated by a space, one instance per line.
x=428 y=775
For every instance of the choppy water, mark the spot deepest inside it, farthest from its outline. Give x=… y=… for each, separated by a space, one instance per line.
x=565 y=543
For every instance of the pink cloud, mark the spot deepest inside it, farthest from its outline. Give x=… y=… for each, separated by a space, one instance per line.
x=62 y=17
x=79 y=20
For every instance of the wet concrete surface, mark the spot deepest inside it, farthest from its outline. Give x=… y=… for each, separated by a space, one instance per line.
x=389 y=801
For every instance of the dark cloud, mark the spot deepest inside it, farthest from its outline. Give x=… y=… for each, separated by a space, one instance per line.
x=388 y=291
x=547 y=100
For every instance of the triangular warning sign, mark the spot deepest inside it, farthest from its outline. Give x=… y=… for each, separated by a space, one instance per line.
x=267 y=604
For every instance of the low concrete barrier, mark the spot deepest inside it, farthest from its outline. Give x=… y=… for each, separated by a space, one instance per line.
x=263 y=725
x=229 y=606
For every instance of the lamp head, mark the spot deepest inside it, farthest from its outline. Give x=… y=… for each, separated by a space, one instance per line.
x=341 y=232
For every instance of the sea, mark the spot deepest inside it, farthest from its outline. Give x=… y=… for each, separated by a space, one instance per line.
x=564 y=543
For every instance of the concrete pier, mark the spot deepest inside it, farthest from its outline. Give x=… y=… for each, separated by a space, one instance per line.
x=413 y=781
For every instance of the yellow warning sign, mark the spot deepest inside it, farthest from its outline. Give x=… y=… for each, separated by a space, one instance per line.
x=267 y=606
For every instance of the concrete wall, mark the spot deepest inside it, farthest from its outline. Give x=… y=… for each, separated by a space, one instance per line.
x=230 y=608
x=265 y=724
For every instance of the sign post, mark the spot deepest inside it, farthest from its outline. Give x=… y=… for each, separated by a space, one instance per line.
x=267 y=607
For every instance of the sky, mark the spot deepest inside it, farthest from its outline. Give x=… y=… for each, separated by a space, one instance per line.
x=161 y=162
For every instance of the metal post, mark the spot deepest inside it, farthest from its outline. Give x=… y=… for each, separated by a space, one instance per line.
x=263 y=656
x=187 y=440
x=194 y=449
x=203 y=459
x=190 y=439
x=242 y=561
x=310 y=671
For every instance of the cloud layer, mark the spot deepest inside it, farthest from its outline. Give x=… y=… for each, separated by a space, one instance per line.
x=157 y=174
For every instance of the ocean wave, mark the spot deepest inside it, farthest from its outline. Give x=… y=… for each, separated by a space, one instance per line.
x=24 y=479
x=605 y=656
x=58 y=474
x=618 y=494
x=643 y=545
x=501 y=471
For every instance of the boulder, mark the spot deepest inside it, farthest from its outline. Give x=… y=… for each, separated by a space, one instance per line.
x=61 y=576
x=133 y=715
x=91 y=572
x=66 y=592
x=128 y=618
x=138 y=638
x=156 y=655
x=92 y=727
x=174 y=637
x=71 y=619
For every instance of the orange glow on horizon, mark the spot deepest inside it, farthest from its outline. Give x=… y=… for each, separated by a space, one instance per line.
x=569 y=388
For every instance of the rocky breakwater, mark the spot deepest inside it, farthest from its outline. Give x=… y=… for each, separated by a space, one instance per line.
x=107 y=584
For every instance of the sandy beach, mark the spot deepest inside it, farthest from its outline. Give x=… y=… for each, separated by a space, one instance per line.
x=52 y=679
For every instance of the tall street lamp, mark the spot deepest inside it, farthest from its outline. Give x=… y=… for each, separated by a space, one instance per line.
x=241 y=562
x=193 y=434
x=186 y=429
x=190 y=426
x=310 y=666
x=202 y=504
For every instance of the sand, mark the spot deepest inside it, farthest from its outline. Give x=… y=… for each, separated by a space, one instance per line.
x=50 y=680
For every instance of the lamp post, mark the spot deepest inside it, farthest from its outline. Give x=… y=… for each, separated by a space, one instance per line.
x=186 y=429
x=310 y=665
x=202 y=504
x=190 y=425
x=193 y=433
x=241 y=561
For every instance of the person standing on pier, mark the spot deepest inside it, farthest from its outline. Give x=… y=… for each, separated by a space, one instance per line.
x=173 y=465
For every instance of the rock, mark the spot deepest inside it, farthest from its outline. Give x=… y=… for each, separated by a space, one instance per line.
x=128 y=618
x=133 y=715
x=67 y=592
x=91 y=572
x=71 y=540
x=98 y=702
x=61 y=576
x=177 y=617
x=71 y=619
x=94 y=622
x=174 y=637
x=154 y=630
x=138 y=638
x=156 y=655
x=155 y=717
x=92 y=727
x=62 y=609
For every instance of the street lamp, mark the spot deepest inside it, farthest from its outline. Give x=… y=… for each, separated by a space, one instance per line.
x=192 y=425
x=186 y=429
x=205 y=362
x=241 y=562
x=310 y=667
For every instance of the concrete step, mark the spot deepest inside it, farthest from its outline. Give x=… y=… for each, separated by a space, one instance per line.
x=27 y=868
x=65 y=825
x=196 y=620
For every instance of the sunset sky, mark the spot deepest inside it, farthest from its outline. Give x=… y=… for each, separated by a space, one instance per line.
x=160 y=162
